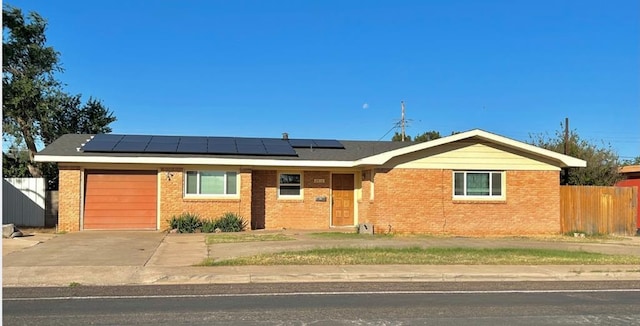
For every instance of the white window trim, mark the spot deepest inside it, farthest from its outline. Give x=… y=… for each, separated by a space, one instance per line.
x=280 y=196
x=212 y=196
x=503 y=186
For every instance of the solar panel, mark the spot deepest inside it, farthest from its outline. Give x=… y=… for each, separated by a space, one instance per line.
x=222 y=148
x=191 y=140
x=165 y=139
x=251 y=149
x=98 y=146
x=107 y=137
x=136 y=139
x=302 y=143
x=275 y=141
x=221 y=140
x=249 y=142
x=193 y=147
x=327 y=143
x=130 y=147
x=285 y=150
x=159 y=147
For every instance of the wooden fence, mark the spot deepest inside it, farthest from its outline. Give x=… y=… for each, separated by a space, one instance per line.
x=23 y=201
x=599 y=210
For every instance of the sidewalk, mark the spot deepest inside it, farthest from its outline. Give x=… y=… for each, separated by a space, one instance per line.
x=175 y=254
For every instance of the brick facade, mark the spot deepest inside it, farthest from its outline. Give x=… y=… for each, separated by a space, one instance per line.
x=173 y=203
x=420 y=201
x=402 y=201
x=271 y=212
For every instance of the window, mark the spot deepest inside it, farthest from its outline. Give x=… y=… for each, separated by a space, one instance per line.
x=289 y=185
x=211 y=183
x=478 y=184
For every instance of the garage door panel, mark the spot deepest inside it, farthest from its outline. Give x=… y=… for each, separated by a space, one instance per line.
x=110 y=177
x=122 y=185
x=111 y=225
x=109 y=214
x=120 y=200
x=108 y=206
x=121 y=192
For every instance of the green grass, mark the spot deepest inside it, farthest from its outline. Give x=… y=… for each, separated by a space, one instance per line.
x=429 y=256
x=348 y=235
x=245 y=237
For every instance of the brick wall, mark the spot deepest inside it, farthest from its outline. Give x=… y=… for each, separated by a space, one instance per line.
x=69 y=199
x=173 y=203
x=420 y=201
x=269 y=212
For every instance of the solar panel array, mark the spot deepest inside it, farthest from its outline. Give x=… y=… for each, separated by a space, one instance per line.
x=112 y=143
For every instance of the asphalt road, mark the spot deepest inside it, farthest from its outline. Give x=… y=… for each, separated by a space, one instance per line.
x=515 y=303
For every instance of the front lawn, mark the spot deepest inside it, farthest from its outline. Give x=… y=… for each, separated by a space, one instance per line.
x=348 y=235
x=429 y=256
x=245 y=237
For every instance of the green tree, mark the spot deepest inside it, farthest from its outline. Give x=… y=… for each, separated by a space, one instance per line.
x=28 y=67
x=602 y=160
x=427 y=136
x=14 y=163
x=398 y=137
x=36 y=110
x=634 y=161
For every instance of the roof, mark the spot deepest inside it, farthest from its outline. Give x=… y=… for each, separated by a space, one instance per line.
x=629 y=169
x=66 y=149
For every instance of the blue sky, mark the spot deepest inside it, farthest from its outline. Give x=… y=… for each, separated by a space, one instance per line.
x=260 y=68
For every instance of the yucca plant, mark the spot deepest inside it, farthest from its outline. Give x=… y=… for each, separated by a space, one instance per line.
x=185 y=223
x=230 y=222
x=208 y=226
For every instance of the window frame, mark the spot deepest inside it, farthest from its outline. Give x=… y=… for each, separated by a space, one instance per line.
x=198 y=181
x=464 y=196
x=280 y=184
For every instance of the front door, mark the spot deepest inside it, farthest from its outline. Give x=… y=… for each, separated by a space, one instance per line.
x=342 y=199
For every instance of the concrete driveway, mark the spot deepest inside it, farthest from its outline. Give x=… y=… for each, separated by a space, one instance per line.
x=88 y=248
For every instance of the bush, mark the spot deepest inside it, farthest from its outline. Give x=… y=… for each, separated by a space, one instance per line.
x=230 y=222
x=208 y=226
x=185 y=223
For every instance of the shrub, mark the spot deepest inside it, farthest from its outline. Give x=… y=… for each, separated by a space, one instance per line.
x=208 y=226
x=230 y=222
x=185 y=223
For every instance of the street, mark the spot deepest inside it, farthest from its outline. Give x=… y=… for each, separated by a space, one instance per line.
x=477 y=303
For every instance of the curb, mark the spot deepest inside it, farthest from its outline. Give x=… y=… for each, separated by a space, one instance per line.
x=134 y=275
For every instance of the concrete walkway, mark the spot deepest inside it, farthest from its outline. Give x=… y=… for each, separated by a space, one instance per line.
x=122 y=258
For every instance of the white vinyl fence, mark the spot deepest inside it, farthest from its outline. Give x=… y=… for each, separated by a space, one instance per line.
x=23 y=201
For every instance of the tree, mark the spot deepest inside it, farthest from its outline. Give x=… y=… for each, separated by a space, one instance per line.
x=14 y=163
x=36 y=110
x=634 y=161
x=70 y=116
x=427 y=136
x=602 y=161
x=398 y=137
x=28 y=67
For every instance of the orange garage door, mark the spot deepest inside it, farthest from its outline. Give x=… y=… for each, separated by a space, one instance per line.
x=120 y=200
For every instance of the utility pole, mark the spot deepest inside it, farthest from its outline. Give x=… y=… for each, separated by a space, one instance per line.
x=566 y=136
x=402 y=120
x=565 y=171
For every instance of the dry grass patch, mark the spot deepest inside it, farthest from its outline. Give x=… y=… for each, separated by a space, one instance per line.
x=349 y=235
x=429 y=256
x=246 y=237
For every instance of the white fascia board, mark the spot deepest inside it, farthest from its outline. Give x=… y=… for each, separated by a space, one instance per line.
x=563 y=160
x=190 y=161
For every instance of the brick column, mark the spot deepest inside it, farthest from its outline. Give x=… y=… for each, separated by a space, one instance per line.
x=244 y=208
x=69 y=192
